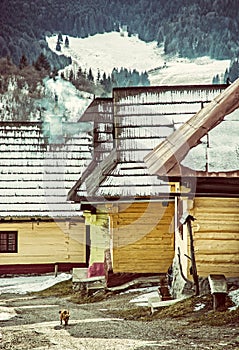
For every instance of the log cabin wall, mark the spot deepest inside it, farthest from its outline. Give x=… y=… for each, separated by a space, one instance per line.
x=216 y=236
x=41 y=245
x=143 y=237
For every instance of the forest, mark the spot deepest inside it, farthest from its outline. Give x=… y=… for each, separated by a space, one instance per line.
x=189 y=28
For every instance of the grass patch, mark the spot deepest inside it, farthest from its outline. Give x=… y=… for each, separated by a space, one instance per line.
x=61 y=289
x=220 y=318
x=65 y=289
x=80 y=299
x=186 y=309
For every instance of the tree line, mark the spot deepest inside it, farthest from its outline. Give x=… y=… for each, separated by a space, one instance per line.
x=102 y=84
x=33 y=73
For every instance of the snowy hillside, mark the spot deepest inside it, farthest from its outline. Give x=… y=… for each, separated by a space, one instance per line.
x=106 y=51
x=71 y=103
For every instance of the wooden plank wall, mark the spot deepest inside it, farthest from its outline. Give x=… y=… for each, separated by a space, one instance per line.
x=216 y=235
x=46 y=242
x=143 y=237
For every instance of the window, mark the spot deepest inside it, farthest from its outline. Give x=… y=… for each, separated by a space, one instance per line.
x=8 y=241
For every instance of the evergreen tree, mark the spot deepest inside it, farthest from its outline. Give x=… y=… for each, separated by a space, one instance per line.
x=71 y=76
x=216 y=79
x=60 y=38
x=42 y=63
x=23 y=62
x=226 y=76
x=103 y=80
x=58 y=46
x=106 y=83
x=67 y=42
x=144 y=79
x=90 y=75
x=80 y=73
x=234 y=70
x=98 y=76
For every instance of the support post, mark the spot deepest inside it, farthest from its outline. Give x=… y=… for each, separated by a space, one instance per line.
x=189 y=219
x=56 y=269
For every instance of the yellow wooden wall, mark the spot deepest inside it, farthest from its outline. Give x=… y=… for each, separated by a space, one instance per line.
x=216 y=235
x=46 y=242
x=99 y=234
x=143 y=237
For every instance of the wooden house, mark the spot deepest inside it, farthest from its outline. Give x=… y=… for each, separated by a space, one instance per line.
x=133 y=209
x=100 y=112
x=41 y=231
x=202 y=157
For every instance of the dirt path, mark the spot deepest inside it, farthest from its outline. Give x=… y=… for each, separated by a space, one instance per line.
x=36 y=326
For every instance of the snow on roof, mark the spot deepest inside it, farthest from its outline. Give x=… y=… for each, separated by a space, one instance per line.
x=206 y=142
x=213 y=154
x=36 y=174
x=142 y=116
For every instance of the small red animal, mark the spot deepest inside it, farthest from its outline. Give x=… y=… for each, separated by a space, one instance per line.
x=64 y=316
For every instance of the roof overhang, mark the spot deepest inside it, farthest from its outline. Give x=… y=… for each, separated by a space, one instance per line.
x=167 y=156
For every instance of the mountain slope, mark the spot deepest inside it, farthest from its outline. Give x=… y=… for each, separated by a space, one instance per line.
x=190 y=28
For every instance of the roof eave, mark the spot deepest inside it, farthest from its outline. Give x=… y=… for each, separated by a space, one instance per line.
x=173 y=150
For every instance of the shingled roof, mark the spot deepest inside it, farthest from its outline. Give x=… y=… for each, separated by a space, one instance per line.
x=39 y=164
x=206 y=145
x=141 y=117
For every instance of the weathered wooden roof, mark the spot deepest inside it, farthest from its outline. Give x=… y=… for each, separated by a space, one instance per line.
x=100 y=113
x=39 y=167
x=141 y=116
x=205 y=145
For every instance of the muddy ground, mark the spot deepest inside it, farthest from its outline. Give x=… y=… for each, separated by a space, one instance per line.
x=113 y=324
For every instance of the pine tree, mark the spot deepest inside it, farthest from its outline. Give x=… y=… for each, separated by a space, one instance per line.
x=23 y=62
x=42 y=63
x=60 y=38
x=216 y=79
x=58 y=46
x=90 y=75
x=98 y=76
x=103 y=80
x=67 y=42
x=144 y=79
x=71 y=76
x=79 y=73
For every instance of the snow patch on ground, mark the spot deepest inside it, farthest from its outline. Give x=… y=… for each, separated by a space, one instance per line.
x=26 y=284
x=104 y=52
x=70 y=102
x=6 y=313
x=199 y=306
x=234 y=295
x=143 y=299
